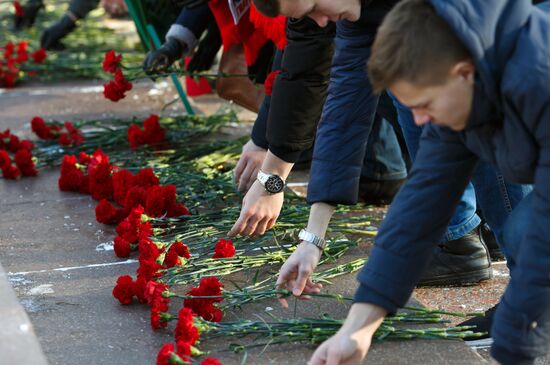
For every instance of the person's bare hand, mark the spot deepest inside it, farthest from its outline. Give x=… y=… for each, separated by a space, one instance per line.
x=249 y=164
x=350 y=344
x=295 y=274
x=259 y=212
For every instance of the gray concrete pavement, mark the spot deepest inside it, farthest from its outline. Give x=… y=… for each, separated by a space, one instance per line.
x=52 y=249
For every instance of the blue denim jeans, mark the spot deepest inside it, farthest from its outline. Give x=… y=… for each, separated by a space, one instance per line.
x=496 y=197
x=383 y=158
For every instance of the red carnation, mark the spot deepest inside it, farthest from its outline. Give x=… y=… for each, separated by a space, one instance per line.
x=101 y=183
x=14 y=143
x=41 y=129
x=146 y=178
x=4 y=158
x=165 y=353
x=26 y=144
x=111 y=62
x=155 y=204
x=22 y=54
x=124 y=290
x=177 y=209
x=136 y=137
x=127 y=231
x=269 y=82
x=71 y=178
x=105 y=212
x=185 y=329
x=10 y=172
x=39 y=56
x=176 y=250
x=224 y=248
x=154 y=133
x=122 y=182
x=122 y=247
x=84 y=158
x=135 y=197
x=204 y=307
x=116 y=89
x=18 y=9
x=73 y=137
x=211 y=361
x=23 y=160
x=158 y=307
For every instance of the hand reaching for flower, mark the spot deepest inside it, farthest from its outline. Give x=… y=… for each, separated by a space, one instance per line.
x=295 y=274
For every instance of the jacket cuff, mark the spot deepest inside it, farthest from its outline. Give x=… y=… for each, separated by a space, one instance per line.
x=366 y=295
x=505 y=357
x=287 y=155
x=183 y=35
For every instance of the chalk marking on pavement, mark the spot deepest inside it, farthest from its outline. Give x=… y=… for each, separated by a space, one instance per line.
x=73 y=268
x=480 y=344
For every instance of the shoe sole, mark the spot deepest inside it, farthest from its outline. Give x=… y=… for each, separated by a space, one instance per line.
x=460 y=279
x=496 y=255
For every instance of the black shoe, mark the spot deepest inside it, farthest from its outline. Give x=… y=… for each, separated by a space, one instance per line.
x=491 y=242
x=378 y=192
x=51 y=37
x=464 y=261
x=483 y=324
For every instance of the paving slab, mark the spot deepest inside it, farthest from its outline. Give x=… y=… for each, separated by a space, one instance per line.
x=18 y=342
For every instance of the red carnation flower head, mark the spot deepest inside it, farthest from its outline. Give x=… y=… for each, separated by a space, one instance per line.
x=101 y=182
x=122 y=247
x=22 y=54
x=128 y=231
x=155 y=204
x=124 y=290
x=116 y=89
x=42 y=130
x=105 y=212
x=18 y=9
x=146 y=178
x=122 y=182
x=111 y=62
x=176 y=250
x=72 y=178
x=8 y=50
x=186 y=330
x=184 y=350
x=211 y=361
x=27 y=144
x=39 y=56
x=73 y=137
x=154 y=290
x=14 y=143
x=165 y=354
x=97 y=157
x=135 y=197
x=224 y=249
x=204 y=307
x=158 y=307
x=23 y=160
x=136 y=137
x=4 y=158
x=10 y=172
x=269 y=82
x=154 y=133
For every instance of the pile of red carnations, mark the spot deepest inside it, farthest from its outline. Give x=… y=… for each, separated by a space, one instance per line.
x=14 y=56
x=66 y=134
x=11 y=145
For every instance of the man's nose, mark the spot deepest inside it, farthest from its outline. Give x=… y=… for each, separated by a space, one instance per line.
x=321 y=20
x=421 y=118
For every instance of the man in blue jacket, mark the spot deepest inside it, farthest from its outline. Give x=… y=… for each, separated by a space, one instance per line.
x=476 y=73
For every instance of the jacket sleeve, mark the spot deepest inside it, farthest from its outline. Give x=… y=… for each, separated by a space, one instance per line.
x=417 y=219
x=521 y=326
x=300 y=89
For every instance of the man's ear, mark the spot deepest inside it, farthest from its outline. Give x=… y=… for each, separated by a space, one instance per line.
x=464 y=69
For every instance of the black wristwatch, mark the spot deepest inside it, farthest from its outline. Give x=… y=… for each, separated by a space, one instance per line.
x=273 y=184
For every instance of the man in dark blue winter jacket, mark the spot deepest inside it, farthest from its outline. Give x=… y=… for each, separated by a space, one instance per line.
x=476 y=73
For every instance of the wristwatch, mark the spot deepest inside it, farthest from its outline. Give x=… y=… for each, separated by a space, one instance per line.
x=273 y=184
x=313 y=239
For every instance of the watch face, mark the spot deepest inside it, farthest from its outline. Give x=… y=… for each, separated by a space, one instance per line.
x=274 y=184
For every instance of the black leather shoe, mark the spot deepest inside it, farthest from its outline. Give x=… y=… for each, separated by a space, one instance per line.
x=483 y=324
x=51 y=37
x=491 y=242
x=461 y=262
x=378 y=192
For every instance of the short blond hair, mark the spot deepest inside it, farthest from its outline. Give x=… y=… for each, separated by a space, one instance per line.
x=413 y=44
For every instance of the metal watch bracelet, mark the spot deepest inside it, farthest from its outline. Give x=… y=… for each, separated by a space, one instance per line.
x=312 y=238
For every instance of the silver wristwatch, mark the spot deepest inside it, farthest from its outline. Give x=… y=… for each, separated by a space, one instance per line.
x=273 y=184
x=313 y=239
